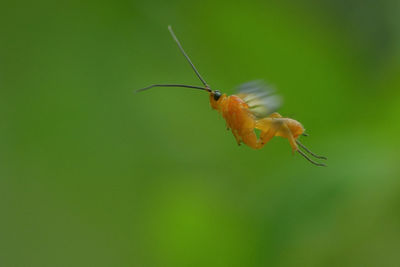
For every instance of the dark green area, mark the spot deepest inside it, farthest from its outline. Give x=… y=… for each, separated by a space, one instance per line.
x=92 y=174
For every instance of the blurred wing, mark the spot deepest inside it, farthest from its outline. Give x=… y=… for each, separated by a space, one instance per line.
x=260 y=97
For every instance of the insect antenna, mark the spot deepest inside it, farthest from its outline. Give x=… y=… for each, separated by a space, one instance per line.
x=310 y=160
x=186 y=56
x=173 y=85
x=205 y=88
x=307 y=150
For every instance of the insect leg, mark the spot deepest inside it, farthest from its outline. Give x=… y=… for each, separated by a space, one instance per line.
x=307 y=150
x=285 y=132
x=265 y=137
x=236 y=135
x=277 y=127
x=250 y=139
x=310 y=160
x=269 y=127
x=275 y=115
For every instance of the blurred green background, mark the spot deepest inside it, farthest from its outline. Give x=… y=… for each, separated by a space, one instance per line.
x=92 y=174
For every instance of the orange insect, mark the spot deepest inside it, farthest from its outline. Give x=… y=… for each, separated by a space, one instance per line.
x=252 y=108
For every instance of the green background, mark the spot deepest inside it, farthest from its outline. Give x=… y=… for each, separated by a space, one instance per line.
x=92 y=174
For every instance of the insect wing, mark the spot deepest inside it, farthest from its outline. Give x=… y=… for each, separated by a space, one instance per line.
x=260 y=97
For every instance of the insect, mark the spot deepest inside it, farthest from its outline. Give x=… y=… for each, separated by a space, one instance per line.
x=252 y=108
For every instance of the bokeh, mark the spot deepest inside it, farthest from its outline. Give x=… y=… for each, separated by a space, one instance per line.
x=92 y=174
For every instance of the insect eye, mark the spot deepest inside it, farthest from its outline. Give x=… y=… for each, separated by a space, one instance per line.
x=217 y=95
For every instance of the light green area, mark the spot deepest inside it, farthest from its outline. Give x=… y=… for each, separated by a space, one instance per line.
x=92 y=174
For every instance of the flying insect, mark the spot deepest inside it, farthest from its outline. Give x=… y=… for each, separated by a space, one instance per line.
x=252 y=108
